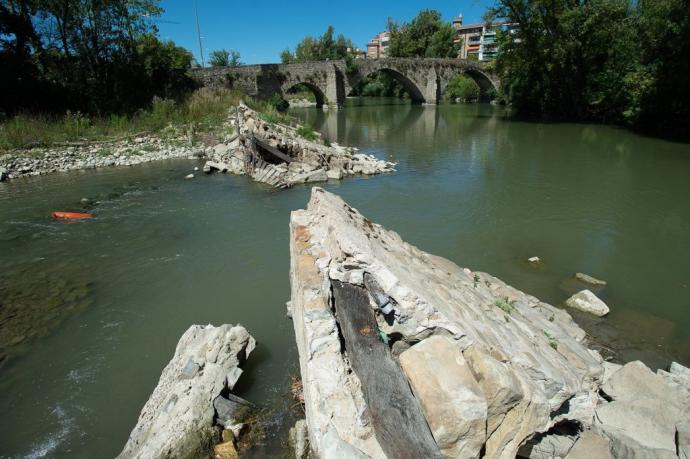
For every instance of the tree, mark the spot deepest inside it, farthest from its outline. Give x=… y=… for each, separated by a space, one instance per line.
x=427 y=35
x=234 y=60
x=220 y=58
x=92 y=56
x=319 y=49
x=600 y=60
x=462 y=87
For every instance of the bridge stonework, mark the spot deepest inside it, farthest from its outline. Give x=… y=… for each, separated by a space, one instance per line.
x=331 y=81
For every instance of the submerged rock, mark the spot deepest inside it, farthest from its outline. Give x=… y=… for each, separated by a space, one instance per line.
x=178 y=418
x=586 y=278
x=587 y=301
x=298 y=438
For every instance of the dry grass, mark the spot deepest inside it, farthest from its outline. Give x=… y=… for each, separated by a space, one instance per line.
x=204 y=110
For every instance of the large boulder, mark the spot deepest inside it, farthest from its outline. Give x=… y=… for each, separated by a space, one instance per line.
x=588 y=302
x=452 y=401
x=644 y=415
x=502 y=363
x=178 y=418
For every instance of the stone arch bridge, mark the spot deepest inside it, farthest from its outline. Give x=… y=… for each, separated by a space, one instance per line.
x=425 y=79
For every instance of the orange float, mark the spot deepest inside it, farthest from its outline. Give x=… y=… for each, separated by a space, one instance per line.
x=72 y=215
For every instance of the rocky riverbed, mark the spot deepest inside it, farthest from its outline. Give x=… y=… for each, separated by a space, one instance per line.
x=268 y=152
x=405 y=352
x=124 y=152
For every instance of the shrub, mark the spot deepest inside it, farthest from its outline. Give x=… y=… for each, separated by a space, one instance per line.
x=278 y=102
x=306 y=132
x=463 y=88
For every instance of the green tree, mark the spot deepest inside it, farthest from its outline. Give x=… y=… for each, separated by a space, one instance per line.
x=601 y=60
x=427 y=35
x=235 y=59
x=219 y=58
x=462 y=87
x=224 y=58
x=92 y=56
x=319 y=49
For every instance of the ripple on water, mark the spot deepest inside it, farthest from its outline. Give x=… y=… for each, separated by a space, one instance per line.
x=66 y=424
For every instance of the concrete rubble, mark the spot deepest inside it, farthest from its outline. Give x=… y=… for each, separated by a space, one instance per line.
x=307 y=161
x=587 y=301
x=301 y=160
x=494 y=370
x=178 y=418
x=91 y=155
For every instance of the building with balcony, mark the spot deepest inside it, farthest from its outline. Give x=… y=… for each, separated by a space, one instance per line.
x=479 y=41
x=378 y=45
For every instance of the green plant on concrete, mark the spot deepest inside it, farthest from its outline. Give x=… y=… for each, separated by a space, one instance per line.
x=307 y=132
x=504 y=305
x=552 y=341
x=476 y=280
x=463 y=88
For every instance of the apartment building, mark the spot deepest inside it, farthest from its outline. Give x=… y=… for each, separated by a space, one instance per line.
x=478 y=41
x=378 y=45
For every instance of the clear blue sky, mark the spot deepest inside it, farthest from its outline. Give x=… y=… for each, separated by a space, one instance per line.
x=261 y=29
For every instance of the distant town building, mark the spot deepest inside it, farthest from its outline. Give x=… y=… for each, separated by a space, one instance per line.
x=478 y=41
x=357 y=53
x=378 y=46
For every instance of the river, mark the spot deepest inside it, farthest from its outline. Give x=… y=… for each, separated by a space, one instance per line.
x=91 y=311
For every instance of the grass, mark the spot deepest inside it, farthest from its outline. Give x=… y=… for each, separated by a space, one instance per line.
x=307 y=132
x=504 y=305
x=552 y=341
x=204 y=110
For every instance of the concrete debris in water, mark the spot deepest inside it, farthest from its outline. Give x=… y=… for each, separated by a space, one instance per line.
x=587 y=279
x=276 y=155
x=494 y=370
x=178 y=418
x=587 y=301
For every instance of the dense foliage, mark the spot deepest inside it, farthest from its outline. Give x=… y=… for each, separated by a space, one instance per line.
x=225 y=58
x=92 y=56
x=602 y=60
x=462 y=87
x=427 y=35
x=380 y=84
x=323 y=48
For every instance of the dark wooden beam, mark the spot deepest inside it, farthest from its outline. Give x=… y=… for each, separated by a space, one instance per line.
x=273 y=150
x=400 y=426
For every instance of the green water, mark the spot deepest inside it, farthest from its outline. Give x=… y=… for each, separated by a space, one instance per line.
x=97 y=307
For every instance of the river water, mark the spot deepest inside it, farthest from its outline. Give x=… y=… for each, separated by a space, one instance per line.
x=91 y=312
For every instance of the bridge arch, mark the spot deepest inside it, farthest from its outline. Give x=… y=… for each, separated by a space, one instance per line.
x=411 y=87
x=486 y=84
x=315 y=89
